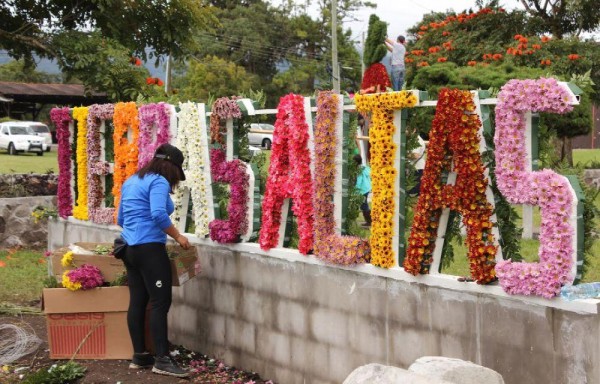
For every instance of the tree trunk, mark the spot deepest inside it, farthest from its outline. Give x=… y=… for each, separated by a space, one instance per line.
x=565 y=150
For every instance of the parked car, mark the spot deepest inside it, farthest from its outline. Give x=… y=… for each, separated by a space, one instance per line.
x=263 y=139
x=15 y=137
x=40 y=129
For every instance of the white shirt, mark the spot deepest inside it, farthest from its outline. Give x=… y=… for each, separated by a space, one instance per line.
x=398 y=51
x=420 y=153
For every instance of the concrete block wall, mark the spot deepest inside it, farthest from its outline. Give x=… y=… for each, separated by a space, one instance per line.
x=297 y=320
x=305 y=323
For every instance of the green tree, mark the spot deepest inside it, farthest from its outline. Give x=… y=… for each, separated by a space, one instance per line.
x=308 y=43
x=565 y=17
x=214 y=76
x=17 y=71
x=76 y=35
x=101 y=64
x=30 y=26
x=251 y=34
x=510 y=44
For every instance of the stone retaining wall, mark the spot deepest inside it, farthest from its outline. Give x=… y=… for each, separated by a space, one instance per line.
x=15 y=185
x=592 y=177
x=294 y=319
x=16 y=223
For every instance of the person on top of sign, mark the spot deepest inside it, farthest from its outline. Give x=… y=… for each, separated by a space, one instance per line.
x=398 y=51
x=144 y=216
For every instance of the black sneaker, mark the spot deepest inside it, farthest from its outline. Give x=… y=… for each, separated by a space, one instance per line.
x=141 y=361
x=166 y=366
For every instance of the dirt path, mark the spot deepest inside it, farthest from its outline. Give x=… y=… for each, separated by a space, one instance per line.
x=115 y=371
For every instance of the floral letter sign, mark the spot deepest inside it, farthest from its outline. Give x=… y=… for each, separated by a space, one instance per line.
x=193 y=142
x=80 y=211
x=545 y=188
x=454 y=129
x=383 y=172
x=149 y=116
x=330 y=246
x=61 y=119
x=97 y=167
x=126 y=152
x=232 y=172
x=289 y=176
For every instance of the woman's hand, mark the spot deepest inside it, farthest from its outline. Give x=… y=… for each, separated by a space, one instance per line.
x=183 y=241
x=178 y=237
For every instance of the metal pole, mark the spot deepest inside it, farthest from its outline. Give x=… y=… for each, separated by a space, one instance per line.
x=168 y=76
x=593 y=126
x=362 y=61
x=335 y=69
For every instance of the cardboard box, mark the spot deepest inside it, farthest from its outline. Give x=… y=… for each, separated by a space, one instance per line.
x=88 y=324
x=184 y=264
x=110 y=267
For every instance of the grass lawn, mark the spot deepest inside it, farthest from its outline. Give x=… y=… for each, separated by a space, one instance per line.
x=22 y=275
x=586 y=156
x=28 y=163
x=529 y=251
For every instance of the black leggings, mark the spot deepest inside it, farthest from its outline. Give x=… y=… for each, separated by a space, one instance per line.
x=149 y=279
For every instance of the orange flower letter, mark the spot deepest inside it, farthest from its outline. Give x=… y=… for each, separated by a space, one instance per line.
x=126 y=151
x=454 y=129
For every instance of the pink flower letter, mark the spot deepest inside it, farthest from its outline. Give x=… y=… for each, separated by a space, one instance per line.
x=289 y=176
x=545 y=188
x=330 y=246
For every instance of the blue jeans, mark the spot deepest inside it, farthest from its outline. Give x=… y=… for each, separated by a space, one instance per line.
x=398 y=77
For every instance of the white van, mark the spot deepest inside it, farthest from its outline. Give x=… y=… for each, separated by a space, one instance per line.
x=16 y=137
x=261 y=135
x=40 y=129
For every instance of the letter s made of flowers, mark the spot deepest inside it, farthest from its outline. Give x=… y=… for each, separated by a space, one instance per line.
x=233 y=172
x=546 y=189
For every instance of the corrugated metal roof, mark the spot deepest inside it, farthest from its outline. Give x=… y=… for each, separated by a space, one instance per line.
x=10 y=89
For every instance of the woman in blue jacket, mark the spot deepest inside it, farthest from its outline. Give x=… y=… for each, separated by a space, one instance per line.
x=144 y=215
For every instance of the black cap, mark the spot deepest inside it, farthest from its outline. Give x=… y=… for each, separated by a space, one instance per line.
x=172 y=154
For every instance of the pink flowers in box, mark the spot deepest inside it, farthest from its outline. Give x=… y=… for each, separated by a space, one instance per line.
x=85 y=277
x=550 y=191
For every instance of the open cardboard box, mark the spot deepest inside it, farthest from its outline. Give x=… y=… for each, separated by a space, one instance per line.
x=110 y=267
x=185 y=264
x=88 y=324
